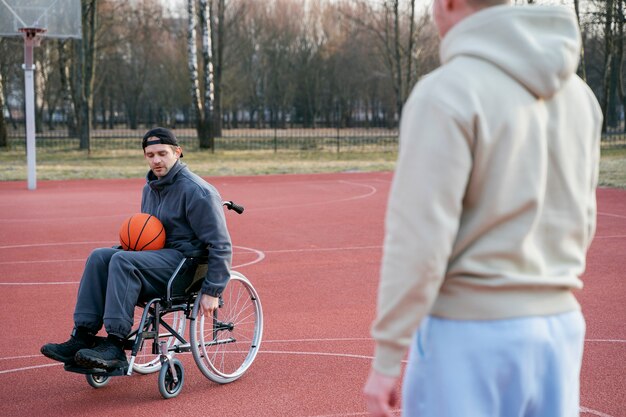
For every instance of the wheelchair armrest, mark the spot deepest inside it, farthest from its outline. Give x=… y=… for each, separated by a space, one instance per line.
x=187 y=277
x=197 y=254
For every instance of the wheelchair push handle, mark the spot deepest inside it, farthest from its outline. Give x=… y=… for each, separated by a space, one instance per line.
x=230 y=205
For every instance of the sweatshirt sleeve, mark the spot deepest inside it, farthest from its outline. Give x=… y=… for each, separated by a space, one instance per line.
x=207 y=219
x=421 y=224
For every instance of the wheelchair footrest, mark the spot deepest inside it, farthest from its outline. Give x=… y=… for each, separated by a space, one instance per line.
x=95 y=371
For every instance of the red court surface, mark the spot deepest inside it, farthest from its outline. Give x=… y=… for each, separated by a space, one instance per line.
x=310 y=244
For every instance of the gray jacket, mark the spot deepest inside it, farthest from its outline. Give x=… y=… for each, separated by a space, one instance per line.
x=192 y=214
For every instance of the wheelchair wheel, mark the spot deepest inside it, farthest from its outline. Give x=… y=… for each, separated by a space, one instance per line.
x=225 y=345
x=97 y=381
x=168 y=386
x=146 y=362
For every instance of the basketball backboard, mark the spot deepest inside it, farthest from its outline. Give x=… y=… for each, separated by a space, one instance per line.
x=59 y=18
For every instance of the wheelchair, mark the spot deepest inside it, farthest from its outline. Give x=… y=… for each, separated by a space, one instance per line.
x=223 y=346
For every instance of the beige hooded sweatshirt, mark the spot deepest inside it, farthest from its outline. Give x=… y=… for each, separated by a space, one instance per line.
x=492 y=206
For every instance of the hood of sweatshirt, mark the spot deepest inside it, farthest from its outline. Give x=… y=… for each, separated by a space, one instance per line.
x=159 y=183
x=539 y=46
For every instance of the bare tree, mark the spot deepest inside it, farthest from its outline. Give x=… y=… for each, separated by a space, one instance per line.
x=582 y=66
x=84 y=74
x=202 y=103
x=4 y=137
x=608 y=60
x=218 y=30
x=395 y=43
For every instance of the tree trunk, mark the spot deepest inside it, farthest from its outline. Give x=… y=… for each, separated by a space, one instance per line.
x=398 y=59
x=66 y=90
x=207 y=140
x=218 y=59
x=620 y=59
x=409 y=75
x=583 y=65
x=87 y=67
x=192 y=57
x=4 y=137
x=608 y=60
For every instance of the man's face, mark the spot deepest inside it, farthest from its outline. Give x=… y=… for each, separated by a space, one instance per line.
x=161 y=158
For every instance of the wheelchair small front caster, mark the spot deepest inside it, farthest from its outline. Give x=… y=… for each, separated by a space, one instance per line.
x=171 y=383
x=97 y=381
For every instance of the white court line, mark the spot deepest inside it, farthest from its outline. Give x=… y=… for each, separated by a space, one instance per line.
x=43 y=262
x=279 y=352
x=48 y=219
x=323 y=249
x=373 y=190
x=397 y=411
x=19 y=357
x=259 y=253
x=41 y=283
x=363 y=413
x=344 y=339
x=594 y=412
x=8 y=371
x=31 y=245
x=611 y=215
x=259 y=258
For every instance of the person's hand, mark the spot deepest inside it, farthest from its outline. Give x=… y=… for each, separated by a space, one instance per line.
x=380 y=394
x=208 y=304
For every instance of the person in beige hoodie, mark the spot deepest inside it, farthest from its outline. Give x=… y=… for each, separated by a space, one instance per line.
x=490 y=215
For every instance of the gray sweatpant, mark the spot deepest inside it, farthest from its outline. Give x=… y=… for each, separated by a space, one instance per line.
x=114 y=280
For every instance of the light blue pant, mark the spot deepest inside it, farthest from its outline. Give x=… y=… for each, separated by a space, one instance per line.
x=525 y=367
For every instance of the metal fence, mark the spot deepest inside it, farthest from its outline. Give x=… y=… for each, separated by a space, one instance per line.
x=276 y=140
x=323 y=139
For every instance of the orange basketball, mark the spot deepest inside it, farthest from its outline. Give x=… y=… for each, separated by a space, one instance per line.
x=142 y=232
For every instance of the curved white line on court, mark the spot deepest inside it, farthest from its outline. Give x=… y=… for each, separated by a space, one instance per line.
x=281 y=352
x=373 y=190
x=260 y=255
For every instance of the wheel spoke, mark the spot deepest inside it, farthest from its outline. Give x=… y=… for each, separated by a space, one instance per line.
x=225 y=347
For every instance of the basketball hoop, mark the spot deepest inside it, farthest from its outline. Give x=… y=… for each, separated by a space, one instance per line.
x=31 y=33
x=32 y=20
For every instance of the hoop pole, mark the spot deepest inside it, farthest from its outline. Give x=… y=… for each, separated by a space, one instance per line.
x=31 y=40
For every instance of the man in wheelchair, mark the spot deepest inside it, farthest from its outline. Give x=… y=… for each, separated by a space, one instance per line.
x=114 y=280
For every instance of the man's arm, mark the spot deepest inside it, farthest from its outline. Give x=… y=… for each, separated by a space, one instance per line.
x=206 y=217
x=423 y=217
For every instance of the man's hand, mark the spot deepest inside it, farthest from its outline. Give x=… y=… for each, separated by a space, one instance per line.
x=208 y=304
x=380 y=394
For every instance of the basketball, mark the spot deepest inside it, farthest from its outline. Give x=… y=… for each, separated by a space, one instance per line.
x=142 y=232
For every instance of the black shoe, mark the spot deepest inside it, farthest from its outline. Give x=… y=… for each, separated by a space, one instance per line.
x=106 y=355
x=65 y=352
